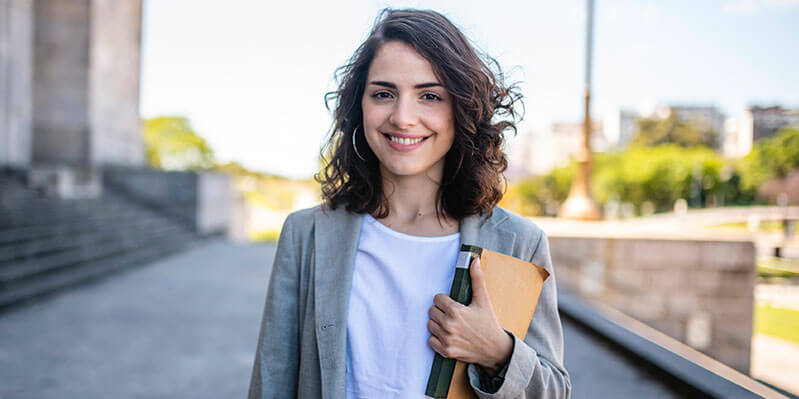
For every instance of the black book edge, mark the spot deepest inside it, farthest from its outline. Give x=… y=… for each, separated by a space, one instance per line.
x=461 y=291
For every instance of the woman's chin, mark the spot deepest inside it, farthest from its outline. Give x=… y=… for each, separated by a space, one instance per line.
x=403 y=171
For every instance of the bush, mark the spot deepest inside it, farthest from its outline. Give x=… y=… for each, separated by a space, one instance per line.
x=659 y=175
x=775 y=157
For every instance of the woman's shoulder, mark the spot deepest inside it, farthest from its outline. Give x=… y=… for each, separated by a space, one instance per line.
x=307 y=218
x=303 y=216
x=516 y=223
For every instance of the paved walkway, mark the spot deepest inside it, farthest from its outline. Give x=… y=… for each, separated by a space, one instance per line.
x=186 y=327
x=776 y=361
x=778 y=296
x=183 y=327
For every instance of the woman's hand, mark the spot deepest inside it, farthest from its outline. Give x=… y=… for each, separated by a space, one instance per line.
x=469 y=333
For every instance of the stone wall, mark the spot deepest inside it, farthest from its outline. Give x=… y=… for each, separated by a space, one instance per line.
x=215 y=202
x=700 y=292
x=16 y=66
x=202 y=201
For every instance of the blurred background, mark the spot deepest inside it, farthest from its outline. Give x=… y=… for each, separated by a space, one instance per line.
x=150 y=151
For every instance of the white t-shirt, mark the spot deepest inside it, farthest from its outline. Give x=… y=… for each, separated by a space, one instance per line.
x=395 y=278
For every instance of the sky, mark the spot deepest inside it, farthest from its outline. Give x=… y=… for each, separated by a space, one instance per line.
x=251 y=75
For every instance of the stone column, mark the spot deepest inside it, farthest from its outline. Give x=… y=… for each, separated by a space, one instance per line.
x=16 y=65
x=86 y=83
x=61 y=83
x=115 y=58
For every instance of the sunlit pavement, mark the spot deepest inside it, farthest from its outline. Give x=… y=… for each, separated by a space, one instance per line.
x=778 y=296
x=776 y=361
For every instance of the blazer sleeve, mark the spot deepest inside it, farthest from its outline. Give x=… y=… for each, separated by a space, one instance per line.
x=535 y=368
x=276 y=366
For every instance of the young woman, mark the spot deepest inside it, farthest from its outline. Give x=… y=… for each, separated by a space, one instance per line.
x=357 y=301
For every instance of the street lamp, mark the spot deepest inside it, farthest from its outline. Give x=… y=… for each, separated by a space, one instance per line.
x=579 y=204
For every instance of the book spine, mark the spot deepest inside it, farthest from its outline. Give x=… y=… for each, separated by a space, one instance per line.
x=461 y=291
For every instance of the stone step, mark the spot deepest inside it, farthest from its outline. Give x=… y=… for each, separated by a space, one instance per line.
x=22 y=206
x=60 y=280
x=109 y=247
x=88 y=235
x=13 y=235
x=49 y=244
x=52 y=213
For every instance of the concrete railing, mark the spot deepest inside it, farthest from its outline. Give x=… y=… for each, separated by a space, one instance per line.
x=685 y=369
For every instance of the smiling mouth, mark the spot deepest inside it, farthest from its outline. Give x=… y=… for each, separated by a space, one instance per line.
x=405 y=140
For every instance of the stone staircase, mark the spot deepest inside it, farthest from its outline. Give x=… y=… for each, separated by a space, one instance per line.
x=49 y=244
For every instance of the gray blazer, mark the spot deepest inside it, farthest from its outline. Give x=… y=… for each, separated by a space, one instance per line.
x=302 y=344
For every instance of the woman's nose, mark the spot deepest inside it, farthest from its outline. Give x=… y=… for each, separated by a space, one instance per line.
x=404 y=114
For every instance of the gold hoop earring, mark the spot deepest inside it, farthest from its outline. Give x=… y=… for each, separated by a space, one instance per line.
x=356 y=147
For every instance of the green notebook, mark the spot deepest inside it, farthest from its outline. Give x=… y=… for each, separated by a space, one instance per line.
x=461 y=291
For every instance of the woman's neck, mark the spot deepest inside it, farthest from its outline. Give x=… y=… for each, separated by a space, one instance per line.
x=412 y=206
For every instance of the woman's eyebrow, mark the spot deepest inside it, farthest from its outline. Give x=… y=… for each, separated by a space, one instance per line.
x=393 y=86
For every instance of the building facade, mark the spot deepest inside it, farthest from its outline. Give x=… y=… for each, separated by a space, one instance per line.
x=69 y=83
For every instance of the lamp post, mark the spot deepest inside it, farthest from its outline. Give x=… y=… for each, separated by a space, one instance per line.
x=579 y=204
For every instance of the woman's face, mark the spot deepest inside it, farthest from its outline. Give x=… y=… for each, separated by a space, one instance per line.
x=407 y=113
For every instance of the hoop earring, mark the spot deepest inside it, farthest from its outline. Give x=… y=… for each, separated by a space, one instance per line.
x=356 y=147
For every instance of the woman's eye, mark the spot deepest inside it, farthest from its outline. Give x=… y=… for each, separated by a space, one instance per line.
x=431 y=97
x=381 y=95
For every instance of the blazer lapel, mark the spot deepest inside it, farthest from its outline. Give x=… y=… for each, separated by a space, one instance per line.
x=485 y=232
x=336 y=241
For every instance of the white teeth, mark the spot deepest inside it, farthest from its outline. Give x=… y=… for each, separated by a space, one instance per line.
x=405 y=141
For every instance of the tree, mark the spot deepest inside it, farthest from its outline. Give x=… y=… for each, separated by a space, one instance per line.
x=773 y=157
x=654 y=131
x=172 y=144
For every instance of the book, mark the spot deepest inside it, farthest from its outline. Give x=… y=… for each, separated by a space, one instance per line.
x=514 y=286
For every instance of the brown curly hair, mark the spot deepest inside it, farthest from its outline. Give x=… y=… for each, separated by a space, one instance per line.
x=484 y=107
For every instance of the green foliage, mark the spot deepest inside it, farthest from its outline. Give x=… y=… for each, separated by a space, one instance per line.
x=658 y=174
x=772 y=157
x=280 y=197
x=171 y=143
x=778 y=268
x=560 y=181
x=539 y=195
x=265 y=236
x=664 y=173
x=777 y=322
x=654 y=131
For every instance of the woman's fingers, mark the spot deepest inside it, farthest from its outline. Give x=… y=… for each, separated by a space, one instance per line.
x=436 y=314
x=435 y=343
x=443 y=302
x=446 y=304
x=466 y=333
x=436 y=330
